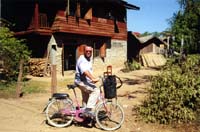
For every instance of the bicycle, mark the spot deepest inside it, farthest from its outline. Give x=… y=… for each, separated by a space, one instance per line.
x=61 y=110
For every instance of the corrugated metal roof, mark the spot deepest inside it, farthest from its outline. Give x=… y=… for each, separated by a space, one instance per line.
x=147 y=38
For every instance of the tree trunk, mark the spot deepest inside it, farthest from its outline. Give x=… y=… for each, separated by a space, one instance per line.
x=19 y=80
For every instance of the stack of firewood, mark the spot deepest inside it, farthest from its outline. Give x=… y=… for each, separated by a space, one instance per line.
x=37 y=66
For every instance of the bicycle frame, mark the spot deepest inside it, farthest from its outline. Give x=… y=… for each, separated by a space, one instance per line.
x=76 y=113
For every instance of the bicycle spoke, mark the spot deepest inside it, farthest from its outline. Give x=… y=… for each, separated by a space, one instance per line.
x=54 y=113
x=110 y=117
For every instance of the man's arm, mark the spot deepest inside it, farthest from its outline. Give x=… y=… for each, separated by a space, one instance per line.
x=90 y=76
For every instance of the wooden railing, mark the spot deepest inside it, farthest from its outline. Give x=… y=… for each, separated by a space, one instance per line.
x=95 y=26
x=71 y=24
x=43 y=22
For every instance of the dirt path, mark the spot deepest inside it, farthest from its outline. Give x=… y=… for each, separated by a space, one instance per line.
x=25 y=114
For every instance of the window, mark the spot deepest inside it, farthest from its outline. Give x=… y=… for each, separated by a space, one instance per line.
x=96 y=51
x=43 y=20
x=99 y=50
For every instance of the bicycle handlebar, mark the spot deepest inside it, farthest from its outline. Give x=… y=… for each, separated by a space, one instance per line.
x=121 y=83
x=72 y=86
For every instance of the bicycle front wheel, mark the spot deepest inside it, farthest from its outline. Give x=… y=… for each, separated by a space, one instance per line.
x=109 y=116
x=58 y=112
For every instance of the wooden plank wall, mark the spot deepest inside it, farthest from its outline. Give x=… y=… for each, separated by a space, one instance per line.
x=97 y=26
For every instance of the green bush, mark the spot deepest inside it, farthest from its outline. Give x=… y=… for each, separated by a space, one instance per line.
x=131 y=66
x=12 y=50
x=174 y=95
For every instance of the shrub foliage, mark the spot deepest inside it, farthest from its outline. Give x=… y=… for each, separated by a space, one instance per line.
x=11 y=51
x=131 y=66
x=174 y=95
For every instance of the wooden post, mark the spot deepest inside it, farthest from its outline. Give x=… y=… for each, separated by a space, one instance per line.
x=78 y=9
x=63 y=59
x=19 y=80
x=182 y=44
x=53 y=70
x=53 y=79
x=36 y=16
x=47 y=61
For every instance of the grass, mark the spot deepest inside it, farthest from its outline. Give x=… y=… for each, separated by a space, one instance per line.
x=27 y=87
x=30 y=86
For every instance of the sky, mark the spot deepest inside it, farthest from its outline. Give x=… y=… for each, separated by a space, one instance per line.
x=153 y=15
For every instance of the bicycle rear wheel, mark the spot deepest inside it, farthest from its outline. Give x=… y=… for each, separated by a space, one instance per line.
x=109 y=116
x=56 y=112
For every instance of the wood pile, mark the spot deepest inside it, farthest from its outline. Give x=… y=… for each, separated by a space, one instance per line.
x=153 y=60
x=37 y=67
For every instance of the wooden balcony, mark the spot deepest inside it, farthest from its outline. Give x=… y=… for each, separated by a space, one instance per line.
x=74 y=25
x=38 y=25
x=95 y=26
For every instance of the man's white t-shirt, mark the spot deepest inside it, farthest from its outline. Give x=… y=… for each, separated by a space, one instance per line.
x=83 y=65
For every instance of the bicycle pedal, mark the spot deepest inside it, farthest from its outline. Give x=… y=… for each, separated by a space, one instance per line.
x=88 y=114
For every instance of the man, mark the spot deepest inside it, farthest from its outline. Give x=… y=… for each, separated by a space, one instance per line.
x=86 y=81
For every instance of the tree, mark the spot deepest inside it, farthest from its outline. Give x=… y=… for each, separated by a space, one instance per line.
x=157 y=34
x=185 y=24
x=12 y=50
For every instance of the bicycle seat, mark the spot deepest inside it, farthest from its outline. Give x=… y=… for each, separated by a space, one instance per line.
x=60 y=95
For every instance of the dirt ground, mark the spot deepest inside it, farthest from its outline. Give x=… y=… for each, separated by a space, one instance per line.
x=25 y=114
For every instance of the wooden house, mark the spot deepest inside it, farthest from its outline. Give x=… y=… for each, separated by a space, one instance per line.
x=101 y=24
x=152 y=44
x=149 y=48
